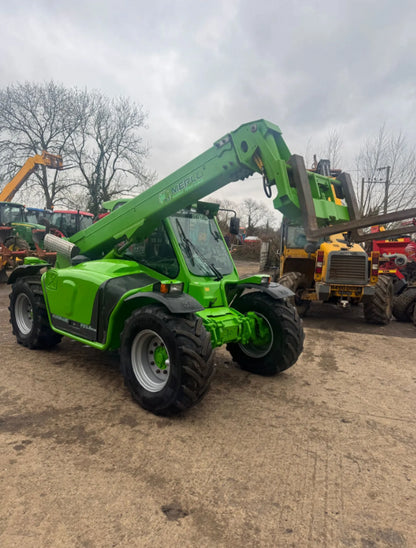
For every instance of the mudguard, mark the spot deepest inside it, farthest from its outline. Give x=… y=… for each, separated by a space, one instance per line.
x=26 y=270
x=275 y=290
x=176 y=303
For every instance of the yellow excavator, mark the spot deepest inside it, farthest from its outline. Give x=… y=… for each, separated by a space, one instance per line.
x=52 y=161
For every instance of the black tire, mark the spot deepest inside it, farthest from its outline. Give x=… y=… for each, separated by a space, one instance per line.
x=286 y=331
x=297 y=282
x=414 y=316
x=14 y=243
x=404 y=304
x=181 y=345
x=28 y=315
x=379 y=309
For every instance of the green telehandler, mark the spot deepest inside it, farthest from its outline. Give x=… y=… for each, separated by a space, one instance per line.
x=155 y=280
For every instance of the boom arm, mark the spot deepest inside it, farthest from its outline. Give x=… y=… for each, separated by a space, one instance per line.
x=45 y=159
x=305 y=197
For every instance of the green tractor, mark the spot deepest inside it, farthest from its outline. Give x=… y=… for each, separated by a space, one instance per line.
x=18 y=238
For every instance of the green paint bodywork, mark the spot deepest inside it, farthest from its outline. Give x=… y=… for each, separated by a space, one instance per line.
x=71 y=295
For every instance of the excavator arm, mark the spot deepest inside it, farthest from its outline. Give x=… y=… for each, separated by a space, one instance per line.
x=46 y=159
x=307 y=198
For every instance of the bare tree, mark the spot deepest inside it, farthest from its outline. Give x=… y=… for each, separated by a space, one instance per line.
x=256 y=214
x=331 y=150
x=36 y=117
x=386 y=168
x=108 y=148
x=96 y=136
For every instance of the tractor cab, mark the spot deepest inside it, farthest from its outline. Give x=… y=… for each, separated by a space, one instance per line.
x=69 y=222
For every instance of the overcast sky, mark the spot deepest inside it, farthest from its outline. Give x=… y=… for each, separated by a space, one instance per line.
x=201 y=69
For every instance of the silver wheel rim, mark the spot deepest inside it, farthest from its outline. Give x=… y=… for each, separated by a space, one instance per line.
x=259 y=351
x=23 y=313
x=150 y=360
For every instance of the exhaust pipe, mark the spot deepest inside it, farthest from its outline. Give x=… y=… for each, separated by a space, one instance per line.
x=66 y=249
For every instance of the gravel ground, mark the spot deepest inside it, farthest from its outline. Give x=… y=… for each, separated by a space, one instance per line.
x=321 y=455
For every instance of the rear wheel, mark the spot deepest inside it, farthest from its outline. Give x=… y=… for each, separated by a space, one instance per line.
x=279 y=340
x=379 y=309
x=28 y=316
x=166 y=359
x=404 y=304
x=297 y=282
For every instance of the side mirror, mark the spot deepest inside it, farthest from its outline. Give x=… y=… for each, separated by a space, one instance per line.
x=234 y=225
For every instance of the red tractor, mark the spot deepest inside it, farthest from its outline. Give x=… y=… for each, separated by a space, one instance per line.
x=68 y=222
x=398 y=259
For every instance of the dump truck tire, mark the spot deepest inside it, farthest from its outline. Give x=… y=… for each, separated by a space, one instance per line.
x=28 y=316
x=379 y=309
x=286 y=340
x=404 y=304
x=166 y=359
x=297 y=282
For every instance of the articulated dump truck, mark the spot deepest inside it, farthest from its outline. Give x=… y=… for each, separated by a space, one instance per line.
x=154 y=279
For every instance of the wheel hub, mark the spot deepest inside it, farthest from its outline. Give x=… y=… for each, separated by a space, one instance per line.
x=150 y=360
x=262 y=337
x=24 y=314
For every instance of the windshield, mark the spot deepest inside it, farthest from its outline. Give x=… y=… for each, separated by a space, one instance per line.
x=35 y=216
x=66 y=222
x=85 y=221
x=296 y=237
x=12 y=214
x=202 y=245
x=31 y=217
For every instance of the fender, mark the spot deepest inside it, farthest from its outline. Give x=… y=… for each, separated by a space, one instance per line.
x=181 y=303
x=274 y=289
x=26 y=270
x=175 y=303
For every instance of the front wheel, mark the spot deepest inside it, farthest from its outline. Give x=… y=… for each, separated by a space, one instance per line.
x=277 y=349
x=28 y=316
x=166 y=359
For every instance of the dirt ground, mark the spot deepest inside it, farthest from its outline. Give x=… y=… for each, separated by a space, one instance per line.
x=321 y=455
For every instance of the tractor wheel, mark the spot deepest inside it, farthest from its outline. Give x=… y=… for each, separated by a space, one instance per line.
x=297 y=282
x=28 y=316
x=404 y=304
x=379 y=309
x=166 y=359
x=282 y=345
x=14 y=243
